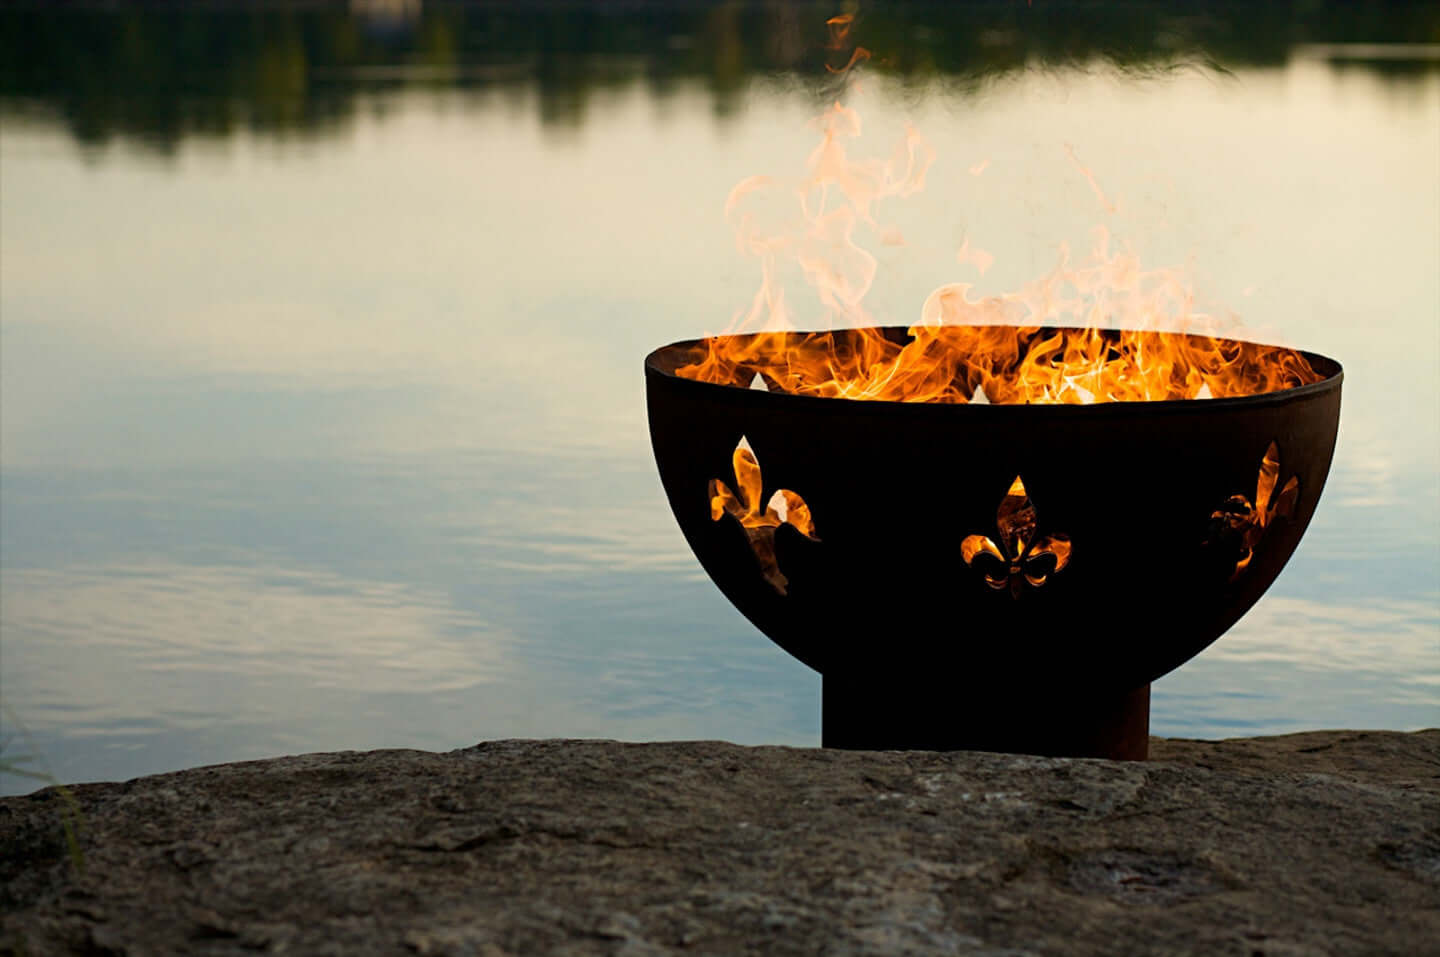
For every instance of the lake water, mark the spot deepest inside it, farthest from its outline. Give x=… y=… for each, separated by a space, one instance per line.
x=323 y=422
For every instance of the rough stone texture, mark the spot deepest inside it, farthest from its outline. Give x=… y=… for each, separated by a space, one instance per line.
x=1321 y=843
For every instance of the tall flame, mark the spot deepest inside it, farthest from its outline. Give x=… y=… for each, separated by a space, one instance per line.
x=1084 y=333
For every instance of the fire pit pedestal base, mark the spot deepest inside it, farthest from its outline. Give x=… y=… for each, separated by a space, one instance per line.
x=860 y=713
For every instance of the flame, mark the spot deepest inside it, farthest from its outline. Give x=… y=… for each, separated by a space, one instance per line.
x=1054 y=341
x=760 y=522
x=1000 y=364
x=1242 y=524
x=1084 y=171
x=1087 y=332
x=840 y=27
x=1020 y=557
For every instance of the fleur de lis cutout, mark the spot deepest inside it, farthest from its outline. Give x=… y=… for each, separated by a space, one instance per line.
x=1020 y=557
x=760 y=522
x=1239 y=525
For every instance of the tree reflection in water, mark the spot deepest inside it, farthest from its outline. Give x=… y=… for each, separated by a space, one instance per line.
x=160 y=74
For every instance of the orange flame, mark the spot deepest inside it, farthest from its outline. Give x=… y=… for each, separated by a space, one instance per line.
x=1010 y=365
x=1020 y=557
x=840 y=27
x=840 y=30
x=746 y=504
x=1242 y=524
x=1085 y=333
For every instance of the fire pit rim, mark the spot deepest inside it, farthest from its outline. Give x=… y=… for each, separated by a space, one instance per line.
x=657 y=364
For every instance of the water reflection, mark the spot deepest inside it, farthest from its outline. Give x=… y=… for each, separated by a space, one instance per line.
x=1299 y=664
x=257 y=619
x=160 y=75
x=331 y=434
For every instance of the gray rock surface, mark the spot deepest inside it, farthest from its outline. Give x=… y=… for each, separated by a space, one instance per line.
x=1320 y=843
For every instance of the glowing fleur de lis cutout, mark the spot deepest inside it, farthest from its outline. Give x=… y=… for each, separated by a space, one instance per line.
x=1020 y=556
x=760 y=524
x=1240 y=525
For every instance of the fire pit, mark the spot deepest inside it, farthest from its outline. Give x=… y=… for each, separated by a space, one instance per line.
x=988 y=571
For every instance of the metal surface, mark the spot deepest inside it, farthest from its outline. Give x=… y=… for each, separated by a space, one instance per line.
x=868 y=712
x=883 y=598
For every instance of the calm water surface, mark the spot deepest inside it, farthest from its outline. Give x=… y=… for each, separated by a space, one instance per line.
x=336 y=440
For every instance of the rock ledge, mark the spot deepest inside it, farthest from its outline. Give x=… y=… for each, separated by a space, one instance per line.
x=1317 y=843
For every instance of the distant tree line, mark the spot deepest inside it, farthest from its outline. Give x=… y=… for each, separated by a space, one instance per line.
x=163 y=72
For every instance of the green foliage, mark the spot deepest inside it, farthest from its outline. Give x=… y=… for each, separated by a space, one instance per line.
x=24 y=765
x=159 y=74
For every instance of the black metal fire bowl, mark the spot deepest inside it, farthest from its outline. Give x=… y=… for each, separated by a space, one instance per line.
x=929 y=631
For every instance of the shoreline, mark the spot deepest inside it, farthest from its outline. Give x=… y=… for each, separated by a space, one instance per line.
x=1318 y=842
